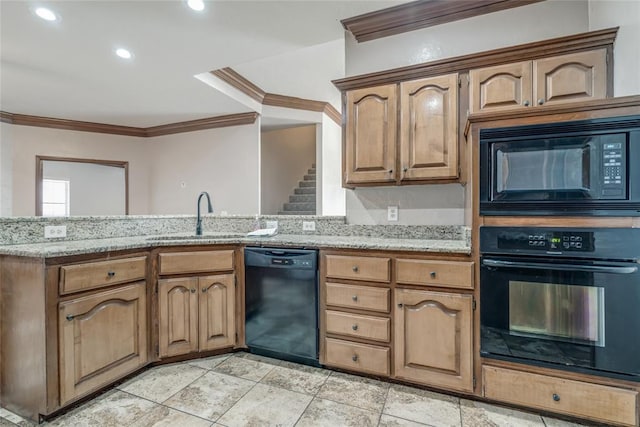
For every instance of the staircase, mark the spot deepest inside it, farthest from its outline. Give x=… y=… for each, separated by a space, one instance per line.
x=303 y=199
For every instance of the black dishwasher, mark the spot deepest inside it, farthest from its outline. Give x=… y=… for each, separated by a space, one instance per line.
x=281 y=303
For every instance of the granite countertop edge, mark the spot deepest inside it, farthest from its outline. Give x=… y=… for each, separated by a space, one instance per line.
x=95 y=246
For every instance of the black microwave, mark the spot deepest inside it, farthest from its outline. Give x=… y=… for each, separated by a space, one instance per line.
x=588 y=167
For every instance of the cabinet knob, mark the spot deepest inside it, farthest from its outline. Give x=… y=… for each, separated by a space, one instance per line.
x=400 y=305
x=204 y=290
x=404 y=169
x=111 y=273
x=355 y=297
x=390 y=170
x=193 y=290
x=526 y=103
x=69 y=317
x=354 y=357
x=355 y=269
x=432 y=274
x=556 y=397
x=354 y=327
x=540 y=101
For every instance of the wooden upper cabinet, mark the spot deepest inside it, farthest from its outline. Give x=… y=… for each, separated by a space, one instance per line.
x=217 y=311
x=370 y=135
x=434 y=338
x=501 y=87
x=560 y=79
x=569 y=78
x=429 y=128
x=177 y=316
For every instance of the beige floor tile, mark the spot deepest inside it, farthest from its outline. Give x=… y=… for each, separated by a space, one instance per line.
x=325 y=413
x=301 y=381
x=6 y=423
x=266 y=406
x=422 y=406
x=554 y=422
x=258 y=358
x=114 y=409
x=244 y=368
x=390 y=421
x=356 y=391
x=209 y=362
x=11 y=419
x=159 y=384
x=211 y=395
x=479 y=414
x=162 y=416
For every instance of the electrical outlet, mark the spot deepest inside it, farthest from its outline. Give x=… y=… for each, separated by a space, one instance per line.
x=308 y=226
x=55 y=231
x=392 y=213
x=272 y=224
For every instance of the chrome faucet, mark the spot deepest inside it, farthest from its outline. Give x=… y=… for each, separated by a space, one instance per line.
x=209 y=207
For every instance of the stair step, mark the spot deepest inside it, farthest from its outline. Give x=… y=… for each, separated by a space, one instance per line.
x=313 y=165
x=305 y=190
x=311 y=171
x=298 y=198
x=297 y=213
x=302 y=206
x=309 y=177
x=307 y=183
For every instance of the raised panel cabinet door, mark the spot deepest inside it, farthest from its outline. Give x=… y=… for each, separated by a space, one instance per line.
x=217 y=311
x=570 y=78
x=434 y=338
x=370 y=135
x=503 y=87
x=177 y=316
x=429 y=128
x=102 y=338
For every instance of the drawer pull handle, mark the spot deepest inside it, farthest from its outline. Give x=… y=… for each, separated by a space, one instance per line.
x=69 y=317
x=432 y=274
x=111 y=273
x=355 y=298
x=193 y=290
x=354 y=327
x=556 y=397
x=355 y=269
x=354 y=357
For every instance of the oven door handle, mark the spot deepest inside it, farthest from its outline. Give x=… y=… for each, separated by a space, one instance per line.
x=564 y=267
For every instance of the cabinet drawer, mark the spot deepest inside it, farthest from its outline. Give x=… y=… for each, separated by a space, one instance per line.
x=575 y=398
x=358 y=357
x=452 y=274
x=354 y=296
x=372 y=269
x=356 y=325
x=195 y=262
x=92 y=275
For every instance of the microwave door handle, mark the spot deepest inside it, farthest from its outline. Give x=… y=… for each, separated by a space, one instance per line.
x=564 y=267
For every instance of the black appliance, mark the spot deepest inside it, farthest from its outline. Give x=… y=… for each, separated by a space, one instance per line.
x=588 y=167
x=566 y=298
x=281 y=303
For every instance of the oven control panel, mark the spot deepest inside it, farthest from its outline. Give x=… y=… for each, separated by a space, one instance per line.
x=547 y=240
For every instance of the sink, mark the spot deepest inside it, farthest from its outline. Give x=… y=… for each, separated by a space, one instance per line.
x=207 y=236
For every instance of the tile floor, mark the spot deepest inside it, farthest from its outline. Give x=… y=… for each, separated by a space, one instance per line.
x=248 y=390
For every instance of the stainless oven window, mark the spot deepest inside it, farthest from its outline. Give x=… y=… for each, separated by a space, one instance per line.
x=557 y=311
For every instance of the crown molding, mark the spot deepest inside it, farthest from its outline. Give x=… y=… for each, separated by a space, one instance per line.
x=421 y=14
x=180 y=127
x=333 y=113
x=528 y=51
x=232 y=78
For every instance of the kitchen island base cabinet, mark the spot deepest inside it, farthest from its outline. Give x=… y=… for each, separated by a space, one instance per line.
x=102 y=338
x=196 y=314
x=434 y=338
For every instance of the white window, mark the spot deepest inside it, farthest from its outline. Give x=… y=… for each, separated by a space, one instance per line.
x=55 y=197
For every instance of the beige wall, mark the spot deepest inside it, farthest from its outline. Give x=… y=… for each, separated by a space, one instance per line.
x=330 y=194
x=224 y=162
x=26 y=142
x=6 y=169
x=286 y=155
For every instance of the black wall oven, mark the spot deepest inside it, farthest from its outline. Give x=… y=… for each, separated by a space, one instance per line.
x=562 y=298
x=589 y=167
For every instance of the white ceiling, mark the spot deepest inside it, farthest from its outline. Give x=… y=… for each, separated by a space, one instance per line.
x=67 y=69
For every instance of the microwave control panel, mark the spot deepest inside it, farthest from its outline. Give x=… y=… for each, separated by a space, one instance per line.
x=537 y=239
x=613 y=169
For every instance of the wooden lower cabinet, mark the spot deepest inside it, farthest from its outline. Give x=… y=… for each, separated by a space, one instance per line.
x=596 y=402
x=102 y=337
x=196 y=313
x=434 y=338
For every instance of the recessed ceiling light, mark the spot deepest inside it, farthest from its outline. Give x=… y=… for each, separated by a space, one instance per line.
x=197 y=5
x=46 y=14
x=123 y=53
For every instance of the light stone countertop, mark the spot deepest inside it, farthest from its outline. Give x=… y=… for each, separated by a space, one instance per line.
x=91 y=246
